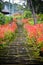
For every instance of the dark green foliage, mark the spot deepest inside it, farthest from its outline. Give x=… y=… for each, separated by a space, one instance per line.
x=1 y=5
x=2 y=18
x=5 y=19
x=38 y=6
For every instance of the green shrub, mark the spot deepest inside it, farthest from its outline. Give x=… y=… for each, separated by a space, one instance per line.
x=40 y=17
x=27 y=14
x=2 y=19
x=5 y=19
x=8 y=38
x=8 y=19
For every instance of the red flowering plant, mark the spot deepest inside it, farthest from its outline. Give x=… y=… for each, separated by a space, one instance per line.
x=7 y=33
x=35 y=38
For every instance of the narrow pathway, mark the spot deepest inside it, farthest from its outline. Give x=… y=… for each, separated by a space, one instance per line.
x=17 y=52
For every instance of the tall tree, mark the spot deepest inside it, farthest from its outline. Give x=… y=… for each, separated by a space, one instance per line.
x=38 y=5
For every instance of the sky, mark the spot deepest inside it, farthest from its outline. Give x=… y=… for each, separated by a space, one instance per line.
x=16 y=1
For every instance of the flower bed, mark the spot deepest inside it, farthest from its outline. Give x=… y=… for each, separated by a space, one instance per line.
x=34 y=38
x=7 y=33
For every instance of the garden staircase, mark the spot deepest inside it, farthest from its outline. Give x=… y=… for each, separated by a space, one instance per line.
x=17 y=52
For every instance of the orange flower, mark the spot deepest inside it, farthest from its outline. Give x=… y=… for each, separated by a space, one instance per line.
x=7 y=27
x=35 y=31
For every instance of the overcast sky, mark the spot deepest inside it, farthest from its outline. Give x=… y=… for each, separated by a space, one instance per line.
x=16 y=1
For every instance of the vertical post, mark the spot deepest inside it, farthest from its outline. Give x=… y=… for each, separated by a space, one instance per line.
x=9 y=7
x=12 y=6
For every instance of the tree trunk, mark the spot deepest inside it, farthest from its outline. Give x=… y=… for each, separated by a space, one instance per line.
x=30 y=5
x=34 y=14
